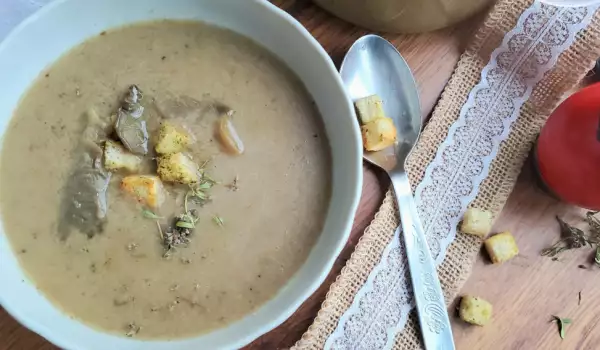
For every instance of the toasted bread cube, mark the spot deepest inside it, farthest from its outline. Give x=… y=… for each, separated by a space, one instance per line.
x=146 y=189
x=178 y=168
x=477 y=222
x=369 y=108
x=378 y=134
x=501 y=247
x=171 y=139
x=116 y=157
x=475 y=310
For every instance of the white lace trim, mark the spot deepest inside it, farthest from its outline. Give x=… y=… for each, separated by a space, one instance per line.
x=381 y=307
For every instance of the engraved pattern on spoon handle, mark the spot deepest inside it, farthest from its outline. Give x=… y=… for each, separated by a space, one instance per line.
x=431 y=307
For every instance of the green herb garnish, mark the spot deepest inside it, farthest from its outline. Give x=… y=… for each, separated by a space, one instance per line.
x=207 y=178
x=199 y=194
x=184 y=224
x=150 y=215
x=562 y=322
x=180 y=233
x=205 y=185
x=160 y=231
x=597 y=256
x=218 y=220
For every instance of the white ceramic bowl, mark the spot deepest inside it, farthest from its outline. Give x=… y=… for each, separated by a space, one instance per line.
x=42 y=38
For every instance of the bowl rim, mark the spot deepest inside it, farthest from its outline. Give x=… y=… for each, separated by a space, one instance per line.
x=270 y=10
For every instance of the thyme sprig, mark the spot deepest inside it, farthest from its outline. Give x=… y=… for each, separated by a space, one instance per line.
x=575 y=238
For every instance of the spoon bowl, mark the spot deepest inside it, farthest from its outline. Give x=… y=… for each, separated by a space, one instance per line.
x=374 y=66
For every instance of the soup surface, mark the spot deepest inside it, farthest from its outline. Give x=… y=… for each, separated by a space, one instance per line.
x=262 y=213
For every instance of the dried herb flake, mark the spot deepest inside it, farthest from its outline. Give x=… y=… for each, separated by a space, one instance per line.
x=572 y=238
x=594 y=222
x=132 y=330
x=205 y=185
x=218 y=220
x=234 y=184
x=562 y=322
x=150 y=215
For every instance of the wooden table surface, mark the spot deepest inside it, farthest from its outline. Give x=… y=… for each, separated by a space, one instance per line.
x=525 y=292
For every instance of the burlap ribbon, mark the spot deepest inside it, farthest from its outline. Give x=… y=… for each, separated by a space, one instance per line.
x=571 y=67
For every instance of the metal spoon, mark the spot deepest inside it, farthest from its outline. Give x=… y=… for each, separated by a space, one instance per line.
x=374 y=66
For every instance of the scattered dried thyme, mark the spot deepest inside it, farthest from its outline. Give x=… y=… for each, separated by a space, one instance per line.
x=234 y=184
x=594 y=222
x=179 y=233
x=575 y=238
x=132 y=330
x=174 y=237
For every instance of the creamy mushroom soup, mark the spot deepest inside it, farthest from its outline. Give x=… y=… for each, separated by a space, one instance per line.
x=164 y=179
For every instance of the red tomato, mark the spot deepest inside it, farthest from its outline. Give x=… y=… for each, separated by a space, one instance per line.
x=568 y=149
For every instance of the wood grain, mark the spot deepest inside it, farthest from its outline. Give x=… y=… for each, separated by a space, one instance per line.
x=529 y=289
x=525 y=291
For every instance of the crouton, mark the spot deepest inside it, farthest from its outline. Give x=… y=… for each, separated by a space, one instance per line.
x=369 y=108
x=178 y=168
x=379 y=134
x=171 y=139
x=477 y=222
x=475 y=310
x=146 y=189
x=501 y=247
x=116 y=157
